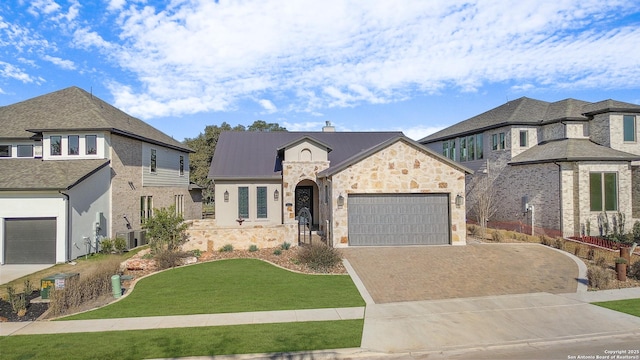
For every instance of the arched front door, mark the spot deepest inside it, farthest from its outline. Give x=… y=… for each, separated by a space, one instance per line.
x=304 y=199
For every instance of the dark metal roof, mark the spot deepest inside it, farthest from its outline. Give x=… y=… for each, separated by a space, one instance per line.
x=254 y=155
x=73 y=109
x=571 y=150
x=35 y=174
x=526 y=111
x=336 y=168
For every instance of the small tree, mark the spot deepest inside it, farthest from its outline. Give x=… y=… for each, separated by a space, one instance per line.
x=481 y=197
x=165 y=229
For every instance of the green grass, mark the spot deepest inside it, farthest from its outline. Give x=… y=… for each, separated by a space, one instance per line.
x=225 y=286
x=183 y=342
x=631 y=306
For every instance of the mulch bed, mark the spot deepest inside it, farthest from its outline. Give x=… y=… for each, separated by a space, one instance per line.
x=34 y=310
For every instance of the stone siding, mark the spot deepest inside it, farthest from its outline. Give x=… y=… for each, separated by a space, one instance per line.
x=635 y=192
x=205 y=235
x=399 y=168
x=599 y=130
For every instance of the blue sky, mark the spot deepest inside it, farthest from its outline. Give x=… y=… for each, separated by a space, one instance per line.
x=415 y=66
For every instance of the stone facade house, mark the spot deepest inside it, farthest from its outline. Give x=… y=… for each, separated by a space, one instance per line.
x=75 y=170
x=360 y=188
x=568 y=168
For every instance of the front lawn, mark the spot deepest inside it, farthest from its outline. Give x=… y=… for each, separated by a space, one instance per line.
x=183 y=342
x=631 y=306
x=224 y=286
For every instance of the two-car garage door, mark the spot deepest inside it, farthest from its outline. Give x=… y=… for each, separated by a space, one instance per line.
x=30 y=241
x=398 y=219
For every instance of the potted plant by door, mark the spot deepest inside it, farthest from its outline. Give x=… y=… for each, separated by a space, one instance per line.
x=621 y=268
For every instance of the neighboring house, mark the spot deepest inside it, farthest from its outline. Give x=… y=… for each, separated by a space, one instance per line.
x=74 y=170
x=361 y=188
x=563 y=165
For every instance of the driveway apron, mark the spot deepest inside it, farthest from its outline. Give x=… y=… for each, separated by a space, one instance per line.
x=415 y=273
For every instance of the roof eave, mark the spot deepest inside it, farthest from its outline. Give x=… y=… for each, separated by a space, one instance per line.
x=607 y=110
x=573 y=159
x=245 y=178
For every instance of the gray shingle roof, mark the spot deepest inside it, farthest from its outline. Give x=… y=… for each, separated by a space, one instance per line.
x=35 y=174
x=253 y=155
x=571 y=150
x=75 y=109
x=526 y=111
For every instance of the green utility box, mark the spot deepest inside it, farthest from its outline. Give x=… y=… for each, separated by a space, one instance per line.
x=56 y=282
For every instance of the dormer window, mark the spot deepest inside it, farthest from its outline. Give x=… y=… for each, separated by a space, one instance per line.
x=56 y=145
x=25 y=150
x=523 y=138
x=5 y=150
x=73 y=145
x=629 y=128
x=91 y=144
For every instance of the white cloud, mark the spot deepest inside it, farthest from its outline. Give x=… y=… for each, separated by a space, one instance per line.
x=418 y=132
x=303 y=126
x=268 y=106
x=187 y=56
x=65 y=64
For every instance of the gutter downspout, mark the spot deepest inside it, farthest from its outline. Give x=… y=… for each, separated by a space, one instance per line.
x=68 y=232
x=560 y=197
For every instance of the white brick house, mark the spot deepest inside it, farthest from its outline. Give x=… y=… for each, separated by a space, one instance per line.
x=571 y=160
x=74 y=170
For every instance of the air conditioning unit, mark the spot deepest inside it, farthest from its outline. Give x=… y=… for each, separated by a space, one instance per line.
x=140 y=237
x=128 y=237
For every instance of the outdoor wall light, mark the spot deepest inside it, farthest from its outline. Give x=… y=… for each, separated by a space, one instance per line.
x=459 y=200
x=226 y=196
x=276 y=195
x=340 y=201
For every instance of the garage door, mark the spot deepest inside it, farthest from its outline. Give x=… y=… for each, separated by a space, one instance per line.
x=30 y=241
x=398 y=219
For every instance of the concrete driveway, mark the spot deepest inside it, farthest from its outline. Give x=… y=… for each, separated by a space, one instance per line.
x=395 y=274
x=11 y=272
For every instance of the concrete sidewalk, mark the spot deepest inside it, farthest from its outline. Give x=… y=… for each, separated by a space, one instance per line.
x=441 y=325
x=162 y=322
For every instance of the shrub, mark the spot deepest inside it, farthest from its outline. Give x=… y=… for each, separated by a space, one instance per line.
x=227 y=248
x=634 y=270
x=497 y=236
x=166 y=259
x=18 y=301
x=165 y=229
x=620 y=260
x=253 y=248
x=28 y=287
x=601 y=262
x=285 y=246
x=591 y=253
x=559 y=244
x=474 y=230
x=277 y=252
x=196 y=252
x=106 y=245
x=120 y=244
x=636 y=231
x=89 y=286
x=319 y=257
x=577 y=250
x=545 y=240
x=598 y=278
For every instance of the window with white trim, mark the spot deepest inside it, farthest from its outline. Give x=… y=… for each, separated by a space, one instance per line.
x=25 y=150
x=91 y=144
x=153 y=161
x=5 y=150
x=523 y=138
x=56 y=145
x=73 y=145
x=243 y=202
x=261 y=202
x=629 y=128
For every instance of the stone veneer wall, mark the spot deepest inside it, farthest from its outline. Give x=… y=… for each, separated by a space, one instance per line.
x=205 y=235
x=624 y=193
x=293 y=173
x=399 y=168
x=635 y=192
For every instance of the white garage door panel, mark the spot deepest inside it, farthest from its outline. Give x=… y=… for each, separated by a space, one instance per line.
x=30 y=241
x=398 y=219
